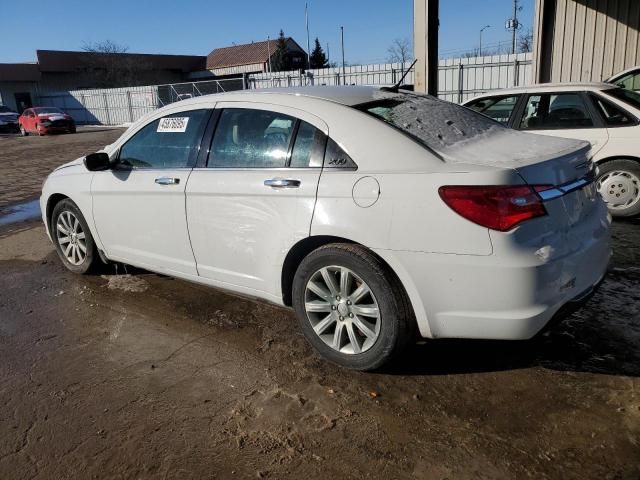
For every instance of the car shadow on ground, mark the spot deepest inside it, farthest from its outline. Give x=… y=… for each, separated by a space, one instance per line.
x=603 y=337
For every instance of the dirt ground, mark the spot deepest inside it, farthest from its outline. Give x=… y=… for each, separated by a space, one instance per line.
x=25 y=162
x=129 y=374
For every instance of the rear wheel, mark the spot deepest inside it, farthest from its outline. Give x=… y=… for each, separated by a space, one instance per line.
x=619 y=186
x=351 y=308
x=72 y=238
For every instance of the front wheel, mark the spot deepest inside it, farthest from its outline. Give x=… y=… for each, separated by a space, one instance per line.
x=619 y=185
x=72 y=238
x=23 y=131
x=351 y=307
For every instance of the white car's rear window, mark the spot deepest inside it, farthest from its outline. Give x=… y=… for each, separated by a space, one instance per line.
x=435 y=123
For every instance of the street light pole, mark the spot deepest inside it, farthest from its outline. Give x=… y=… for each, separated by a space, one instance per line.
x=482 y=30
x=306 y=18
x=344 y=73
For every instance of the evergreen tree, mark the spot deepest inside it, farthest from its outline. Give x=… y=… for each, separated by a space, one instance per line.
x=318 y=58
x=281 y=58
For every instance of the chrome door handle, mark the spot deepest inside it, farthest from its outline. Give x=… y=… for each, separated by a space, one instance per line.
x=167 y=181
x=282 y=183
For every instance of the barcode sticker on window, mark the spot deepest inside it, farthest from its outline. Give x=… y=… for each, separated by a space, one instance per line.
x=173 y=124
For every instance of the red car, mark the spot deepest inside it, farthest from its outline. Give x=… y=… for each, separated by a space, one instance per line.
x=43 y=120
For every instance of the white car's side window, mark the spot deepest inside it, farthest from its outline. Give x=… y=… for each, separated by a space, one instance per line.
x=556 y=111
x=499 y=108
x=168 y=142
x=247 y=138
x=250 y=138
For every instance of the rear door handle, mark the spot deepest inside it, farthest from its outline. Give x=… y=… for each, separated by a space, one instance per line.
x=167 y=181
x=282 y=183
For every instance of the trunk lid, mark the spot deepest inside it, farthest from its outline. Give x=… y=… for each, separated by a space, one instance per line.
x=539 y=159
x=561 y=166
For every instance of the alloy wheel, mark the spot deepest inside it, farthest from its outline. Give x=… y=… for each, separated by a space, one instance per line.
x=342 y=310
x=71 y=238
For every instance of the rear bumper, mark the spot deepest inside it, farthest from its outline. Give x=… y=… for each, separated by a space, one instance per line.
x=510 y=295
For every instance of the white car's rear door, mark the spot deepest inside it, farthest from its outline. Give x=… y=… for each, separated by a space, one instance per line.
x=139 y=206
x=566 y=115
x=253 y=197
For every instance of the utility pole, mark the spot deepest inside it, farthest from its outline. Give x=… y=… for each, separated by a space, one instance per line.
x=344 y=72
x=306 y=17
x=513 y=24
x=482 y=30
x=269 y=52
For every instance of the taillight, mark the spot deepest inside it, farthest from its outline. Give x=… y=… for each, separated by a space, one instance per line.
x=496 y=207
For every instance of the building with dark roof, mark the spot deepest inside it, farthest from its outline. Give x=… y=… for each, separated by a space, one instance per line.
x=55 y=71
x=255 y=57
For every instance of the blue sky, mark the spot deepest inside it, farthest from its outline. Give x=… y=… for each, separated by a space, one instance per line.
x=197 y=26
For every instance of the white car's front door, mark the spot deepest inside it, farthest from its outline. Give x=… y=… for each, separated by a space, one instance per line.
x=139 y=206
x=564 y=115
x=255 y=196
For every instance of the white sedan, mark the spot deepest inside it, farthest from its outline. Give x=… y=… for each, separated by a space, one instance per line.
x=605 y=115
x=375 y=215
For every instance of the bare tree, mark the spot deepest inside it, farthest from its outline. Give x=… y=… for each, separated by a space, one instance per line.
x=105 y=46
x=399 y=51
x=525 y=41
x=107 y=65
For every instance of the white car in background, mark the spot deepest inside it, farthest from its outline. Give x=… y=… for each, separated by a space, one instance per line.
x=629 y=79
x=373 y=214
x=605 y=115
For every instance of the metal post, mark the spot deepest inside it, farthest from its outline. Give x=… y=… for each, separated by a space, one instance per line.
x=425 y=31
x=84 y=106
x=130 y=106
x=106 y=106
x=344 y=73
x=460 y=82
x=306 y=18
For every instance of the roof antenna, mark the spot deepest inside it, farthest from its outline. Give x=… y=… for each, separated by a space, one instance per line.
x=396 y=87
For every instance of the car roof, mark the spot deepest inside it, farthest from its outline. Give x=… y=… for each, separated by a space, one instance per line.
x=344 y=95
x=623 y=73
x=549 y=87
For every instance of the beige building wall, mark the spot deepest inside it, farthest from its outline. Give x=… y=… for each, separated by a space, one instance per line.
x=585 y=40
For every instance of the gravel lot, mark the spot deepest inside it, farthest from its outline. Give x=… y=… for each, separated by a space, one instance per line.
x=129 y=374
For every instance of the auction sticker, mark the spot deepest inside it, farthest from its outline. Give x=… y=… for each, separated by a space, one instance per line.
x=173 y=124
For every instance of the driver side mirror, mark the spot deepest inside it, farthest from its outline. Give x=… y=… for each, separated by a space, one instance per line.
x=97 y=162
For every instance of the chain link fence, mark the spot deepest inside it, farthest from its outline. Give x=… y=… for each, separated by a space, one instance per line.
x=121 y=106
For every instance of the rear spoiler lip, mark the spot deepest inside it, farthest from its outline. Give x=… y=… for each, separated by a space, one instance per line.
x=564 y=189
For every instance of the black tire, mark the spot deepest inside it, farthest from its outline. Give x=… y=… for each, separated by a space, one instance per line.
x=91 y=257
x=632 y=169
x=396 y=317
x=23 y=131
